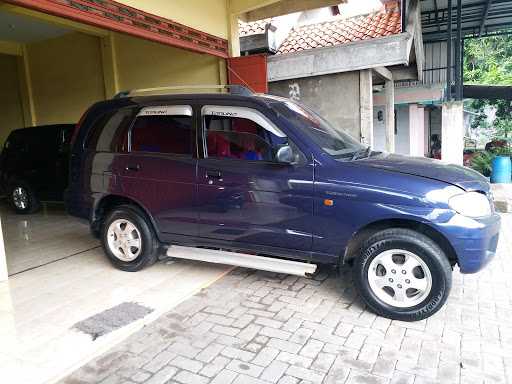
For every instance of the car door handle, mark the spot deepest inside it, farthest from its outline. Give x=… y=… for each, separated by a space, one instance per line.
x=133 y=168
x=214 y=175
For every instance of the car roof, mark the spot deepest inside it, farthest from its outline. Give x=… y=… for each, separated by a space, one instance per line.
x=39 y=127
x=120 y=102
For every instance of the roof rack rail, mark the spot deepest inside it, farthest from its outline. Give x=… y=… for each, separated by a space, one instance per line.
x=233 y=89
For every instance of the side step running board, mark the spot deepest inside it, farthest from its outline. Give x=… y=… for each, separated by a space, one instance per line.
x=242 y=260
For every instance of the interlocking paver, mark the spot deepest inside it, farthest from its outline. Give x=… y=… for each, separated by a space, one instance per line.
x=245 y=368
x=274 y=371
x=256 y=327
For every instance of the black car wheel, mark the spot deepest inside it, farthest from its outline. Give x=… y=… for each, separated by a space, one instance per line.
x=402 y=275
x=128 y=239
x=22 y=198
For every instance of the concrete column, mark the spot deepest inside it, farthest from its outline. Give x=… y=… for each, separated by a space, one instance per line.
x=416 y=130
x=389 y=89
x=3 y=259
x=452 y=132
x=110 y=65
x=366 y=106
x=234 y=37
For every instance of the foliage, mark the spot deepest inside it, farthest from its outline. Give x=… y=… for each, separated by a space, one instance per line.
x=488 y=61
x=482 y=163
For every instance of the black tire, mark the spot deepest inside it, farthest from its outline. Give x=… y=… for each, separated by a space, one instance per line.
x=31 y=203
x=148 y=253
x=421 y=246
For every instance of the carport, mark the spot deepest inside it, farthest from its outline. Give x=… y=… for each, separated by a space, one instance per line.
x=56 y=59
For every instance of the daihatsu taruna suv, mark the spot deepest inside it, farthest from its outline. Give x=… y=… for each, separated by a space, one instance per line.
x=271 y=183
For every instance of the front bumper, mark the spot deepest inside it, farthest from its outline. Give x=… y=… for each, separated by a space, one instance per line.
x=474 y=240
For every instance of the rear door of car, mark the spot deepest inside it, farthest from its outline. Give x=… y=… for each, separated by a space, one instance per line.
x=159 y=170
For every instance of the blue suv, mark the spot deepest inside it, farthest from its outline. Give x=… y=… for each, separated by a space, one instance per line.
x=264 y=182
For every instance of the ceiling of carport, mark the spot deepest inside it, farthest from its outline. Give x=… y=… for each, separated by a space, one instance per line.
x=24 y=29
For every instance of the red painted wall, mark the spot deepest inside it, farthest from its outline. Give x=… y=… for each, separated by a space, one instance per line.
x=250 y=71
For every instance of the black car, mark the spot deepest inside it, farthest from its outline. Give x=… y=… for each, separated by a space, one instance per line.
x=34 y=165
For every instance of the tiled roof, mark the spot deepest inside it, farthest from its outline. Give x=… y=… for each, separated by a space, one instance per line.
x=252 y=28
x=341 y=31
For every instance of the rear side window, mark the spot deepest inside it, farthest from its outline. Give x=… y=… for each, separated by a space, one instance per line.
x=109 y=131
x=166 y=130
x=15 y=142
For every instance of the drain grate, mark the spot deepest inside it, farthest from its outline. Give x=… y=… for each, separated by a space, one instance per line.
x=112 y=319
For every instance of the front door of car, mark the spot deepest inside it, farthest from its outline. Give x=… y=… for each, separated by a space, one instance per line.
x=246 y=197
x=159 y=170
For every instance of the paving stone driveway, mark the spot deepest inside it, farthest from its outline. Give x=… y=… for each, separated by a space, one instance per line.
x=258 y=328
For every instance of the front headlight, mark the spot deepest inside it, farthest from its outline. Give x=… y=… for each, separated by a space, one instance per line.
x=471 y=204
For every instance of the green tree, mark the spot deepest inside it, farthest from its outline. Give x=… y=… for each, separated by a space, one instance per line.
x=488 y=61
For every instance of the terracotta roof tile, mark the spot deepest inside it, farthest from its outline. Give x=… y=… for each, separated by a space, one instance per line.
x=341 y=31
x=252 y=28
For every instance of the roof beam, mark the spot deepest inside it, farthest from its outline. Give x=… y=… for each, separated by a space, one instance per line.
x=237 y=7
x=371 y=53
x=383 y=72
x=484 y=17
x=436 y=9
x=285 y=7
x=10 y=48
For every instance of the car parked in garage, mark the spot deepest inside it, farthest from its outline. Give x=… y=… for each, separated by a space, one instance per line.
x=34 y=165
x=264 y=182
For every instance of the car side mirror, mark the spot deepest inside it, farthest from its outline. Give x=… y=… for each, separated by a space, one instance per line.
x=285 y=155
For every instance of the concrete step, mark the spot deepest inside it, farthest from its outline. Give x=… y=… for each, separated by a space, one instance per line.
x=502 y=194
x=242 y=260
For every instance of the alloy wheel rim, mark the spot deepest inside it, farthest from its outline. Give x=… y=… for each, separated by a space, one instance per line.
x=399 y=278
x=20 y=198
x=124 y=240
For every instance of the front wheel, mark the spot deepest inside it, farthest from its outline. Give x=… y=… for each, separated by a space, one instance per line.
x=22 y=198
x=402 y=274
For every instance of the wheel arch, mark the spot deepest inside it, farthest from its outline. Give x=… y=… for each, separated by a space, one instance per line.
x=361 y=235
x=108 y=202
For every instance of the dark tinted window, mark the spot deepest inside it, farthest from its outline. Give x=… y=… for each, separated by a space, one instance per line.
x=109 y=131
x=239 y=138
x=36 y=140
x=163 y=134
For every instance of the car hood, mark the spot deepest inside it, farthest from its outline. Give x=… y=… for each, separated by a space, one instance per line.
x=462 y=177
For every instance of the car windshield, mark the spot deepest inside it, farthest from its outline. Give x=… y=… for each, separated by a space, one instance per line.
x=334 y=141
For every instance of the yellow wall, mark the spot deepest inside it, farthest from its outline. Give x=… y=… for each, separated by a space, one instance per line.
x=144 y=64
x=71 y=72
x=206 y=15
x=11 y=113
x=67 y=77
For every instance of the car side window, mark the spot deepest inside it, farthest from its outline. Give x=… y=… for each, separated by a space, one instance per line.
x=240 y=133
x=167 y=129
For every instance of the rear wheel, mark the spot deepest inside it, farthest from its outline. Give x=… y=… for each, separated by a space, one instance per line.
x=402 y=274
x=22 y=198
x=128 y=239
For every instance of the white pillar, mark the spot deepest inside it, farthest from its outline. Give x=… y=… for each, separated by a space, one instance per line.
x=3 y=259
x=366 y=106
x=452 y=132
x=416 y=130
x=390 y=115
